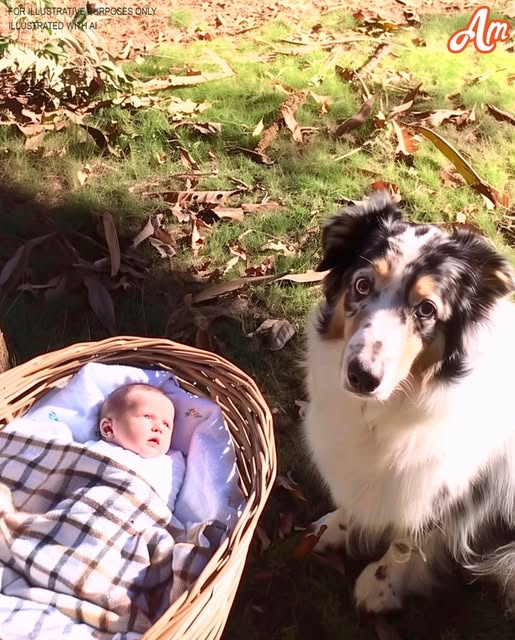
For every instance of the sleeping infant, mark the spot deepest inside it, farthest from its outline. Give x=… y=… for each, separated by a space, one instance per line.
x=136 y=424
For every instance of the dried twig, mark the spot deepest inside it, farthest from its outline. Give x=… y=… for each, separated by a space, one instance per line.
x=381 y=52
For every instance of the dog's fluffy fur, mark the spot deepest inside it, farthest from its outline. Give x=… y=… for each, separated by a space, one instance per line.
x=411 y=418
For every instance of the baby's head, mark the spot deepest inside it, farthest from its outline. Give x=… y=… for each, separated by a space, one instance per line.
x=138 y=417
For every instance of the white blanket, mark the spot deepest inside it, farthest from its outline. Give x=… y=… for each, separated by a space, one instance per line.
x=164 y=474
x=91 y=550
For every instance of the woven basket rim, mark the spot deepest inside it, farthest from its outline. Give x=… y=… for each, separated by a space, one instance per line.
x=202 y=611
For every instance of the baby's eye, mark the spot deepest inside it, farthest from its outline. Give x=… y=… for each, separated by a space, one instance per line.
x=167 y=425
x=146 y=416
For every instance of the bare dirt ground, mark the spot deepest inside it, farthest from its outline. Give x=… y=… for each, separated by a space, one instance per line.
x=236 y=18
x=127 y=35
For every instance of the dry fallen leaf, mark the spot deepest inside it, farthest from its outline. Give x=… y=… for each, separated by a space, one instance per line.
x=332 y=559
x=382 y=50
x=501 y=116
x=263 y=268
x=187 y=159
x=253 y=207
x=285 y=524
x=197 y=242
x=231 y=263
x=229 y=213
x=237 y=250
x=308 y=544
x=192 y=197
x=100 y=301
x=257 y=156
x=406 y=142
x=84 y=174
x=279 y=332
x=389 y=187
x=357 y=120
x=205 y=128
x=258 y=128
x=278 y=246
x=452 y=178
x=262 y=538
x=145 y=233
x=407 y=103
x=412 y=17
x=324 y=102
x=472 y=178
x=177 y=106
x=111 y=236
x=440 y=116
x=304 y=278
x=35 y=142
x=379 y=120
x=164 y=249
x=290 y=485
x=222 y=288
x=233 y=285
x=288 y=109
x=159 y=84
x=14 y=268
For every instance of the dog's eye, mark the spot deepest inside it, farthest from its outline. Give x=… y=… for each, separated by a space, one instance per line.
x=426 y=309
x=362 y=286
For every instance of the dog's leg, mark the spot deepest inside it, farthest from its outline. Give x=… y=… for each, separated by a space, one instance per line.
x=335 y=535
x=383 y=585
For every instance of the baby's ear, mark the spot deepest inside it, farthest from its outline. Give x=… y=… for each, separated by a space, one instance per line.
x=106 y=428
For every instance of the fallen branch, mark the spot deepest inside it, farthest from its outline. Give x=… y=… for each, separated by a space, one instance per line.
x=287 y=118
x=158 y=84
x=381 y=52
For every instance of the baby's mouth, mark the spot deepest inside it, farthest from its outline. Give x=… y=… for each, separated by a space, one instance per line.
x=154 y=441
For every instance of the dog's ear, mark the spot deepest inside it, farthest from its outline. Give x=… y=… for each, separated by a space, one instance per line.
x=497 y=276
x=344 y=235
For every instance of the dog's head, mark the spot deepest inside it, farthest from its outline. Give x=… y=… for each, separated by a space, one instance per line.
x=402 y=296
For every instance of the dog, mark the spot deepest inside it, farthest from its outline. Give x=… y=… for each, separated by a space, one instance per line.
x=410 y=417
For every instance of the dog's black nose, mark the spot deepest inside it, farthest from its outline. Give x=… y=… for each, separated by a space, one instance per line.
x=360 y=379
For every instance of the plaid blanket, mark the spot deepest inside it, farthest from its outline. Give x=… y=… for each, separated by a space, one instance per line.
x=87 y=548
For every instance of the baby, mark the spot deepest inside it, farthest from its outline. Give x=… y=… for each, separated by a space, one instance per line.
x=136 y=424
x=138 y=417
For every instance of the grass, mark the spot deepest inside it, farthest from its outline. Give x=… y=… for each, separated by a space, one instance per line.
x=279 y=598
x=180 y=18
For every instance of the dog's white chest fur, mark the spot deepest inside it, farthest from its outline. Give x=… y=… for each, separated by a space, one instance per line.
x=387 y=463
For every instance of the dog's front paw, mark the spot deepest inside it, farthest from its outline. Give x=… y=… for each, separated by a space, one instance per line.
x=375 y=590
x=332 y=529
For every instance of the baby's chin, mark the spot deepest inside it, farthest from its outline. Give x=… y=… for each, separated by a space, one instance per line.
x=151 y=451
x=151 y=454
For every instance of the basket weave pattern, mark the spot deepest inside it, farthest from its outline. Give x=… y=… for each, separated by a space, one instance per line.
x=201 y=613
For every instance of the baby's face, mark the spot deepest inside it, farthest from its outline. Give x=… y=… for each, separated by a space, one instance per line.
x=145 y=426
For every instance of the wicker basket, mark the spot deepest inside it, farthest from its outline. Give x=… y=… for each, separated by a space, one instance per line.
x=202 y=612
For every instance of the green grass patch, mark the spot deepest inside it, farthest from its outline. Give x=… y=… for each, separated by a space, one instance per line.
x=181 y=18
